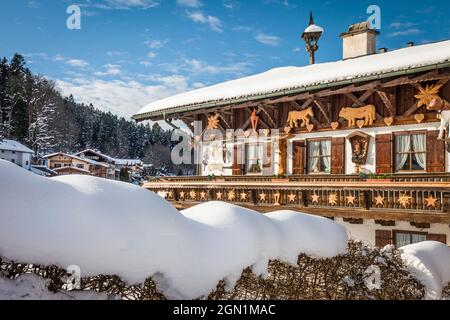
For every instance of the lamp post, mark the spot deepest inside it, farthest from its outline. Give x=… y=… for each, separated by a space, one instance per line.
x=311 y=36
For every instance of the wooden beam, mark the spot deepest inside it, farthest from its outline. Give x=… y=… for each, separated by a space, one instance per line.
x=411 y=109
x=355 y=99
x=261 y=109
x=322 y=109
x=387 y=102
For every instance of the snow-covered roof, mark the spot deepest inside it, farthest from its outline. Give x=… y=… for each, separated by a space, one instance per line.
x=72 y=168
x=290 y=80
x=42 y=170
x=123 y=162
x=11 y=145
x=127 y=162
x=76 y=157
x=98 y=153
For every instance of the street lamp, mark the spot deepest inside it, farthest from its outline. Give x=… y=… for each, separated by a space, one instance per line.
x=311 y=35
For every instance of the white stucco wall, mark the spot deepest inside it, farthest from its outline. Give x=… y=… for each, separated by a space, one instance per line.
x=371 y=157
x=20 y=158
x=366 y=231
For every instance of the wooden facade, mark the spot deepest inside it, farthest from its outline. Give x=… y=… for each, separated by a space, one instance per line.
x=418 y=193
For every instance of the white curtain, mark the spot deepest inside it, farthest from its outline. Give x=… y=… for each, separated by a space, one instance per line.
x=314 y=152
x=326 y=152
x=402 y=239
x=415 y=238
x=402 y=144
x=418 y=141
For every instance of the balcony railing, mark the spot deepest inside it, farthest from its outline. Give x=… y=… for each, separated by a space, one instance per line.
x=402 y=193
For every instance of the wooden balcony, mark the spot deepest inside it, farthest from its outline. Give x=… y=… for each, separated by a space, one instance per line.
x=419 y=198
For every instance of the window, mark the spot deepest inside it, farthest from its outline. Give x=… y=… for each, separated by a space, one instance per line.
x=57 y=165
x=319 y=156
x=403 y=238
x=26 y=163
x=80 y=166
x=13 y=160
x=67 y=165
x=258 y=157
x=410 y=152
x=13 y=152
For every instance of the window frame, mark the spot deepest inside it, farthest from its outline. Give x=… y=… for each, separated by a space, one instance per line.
x=321 y=156
x=410 y=153
x=410 y=233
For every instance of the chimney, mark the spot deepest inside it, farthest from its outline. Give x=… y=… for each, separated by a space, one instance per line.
x=359 y=40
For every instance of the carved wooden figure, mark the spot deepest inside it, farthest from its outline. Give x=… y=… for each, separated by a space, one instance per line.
x=429 y=96
x=366 y=113
x=304 y=116
x=254 y=120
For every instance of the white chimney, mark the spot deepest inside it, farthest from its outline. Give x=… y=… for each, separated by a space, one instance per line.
x=359 y=40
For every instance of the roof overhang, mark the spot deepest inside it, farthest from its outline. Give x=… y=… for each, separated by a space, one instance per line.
x=170 y=113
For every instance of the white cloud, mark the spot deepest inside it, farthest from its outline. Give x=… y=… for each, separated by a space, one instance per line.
x=123 y=4
x=110 y=70
x=123 y=98
x=32 y=4
x=59 y=57
x=156 y=44
x=190 y=3
x=212 y=22
x=268 y=40
x=195 y=66
x=115 y=53
x=146 y=63
x=242 y=29
x=231 y=5
x=399 y=25
x=407 y=32
x=77 y=63
x=152 y=55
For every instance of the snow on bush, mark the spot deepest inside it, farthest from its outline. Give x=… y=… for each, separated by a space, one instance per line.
x=114 y=228
x=429 y=262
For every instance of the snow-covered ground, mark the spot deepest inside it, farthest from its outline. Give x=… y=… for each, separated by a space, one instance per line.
x=110 y=227
x=115 y=228
x=32 y=287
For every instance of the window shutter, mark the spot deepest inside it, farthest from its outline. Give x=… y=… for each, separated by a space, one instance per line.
x=384 y=153
x=298 y=157
x=267 y=163
x=282 y=144
x=435 y=153
x=383 y=238
x=437 y=237
x=237 y=155
x=338 y=155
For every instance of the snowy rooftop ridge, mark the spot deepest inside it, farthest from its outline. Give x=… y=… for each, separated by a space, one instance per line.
x=295 y=78
x=11 y=145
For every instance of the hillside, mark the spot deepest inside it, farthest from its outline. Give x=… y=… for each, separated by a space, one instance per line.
x=33 y=112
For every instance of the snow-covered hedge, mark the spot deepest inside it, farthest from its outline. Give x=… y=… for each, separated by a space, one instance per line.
x=346 y=276
x=130 y=242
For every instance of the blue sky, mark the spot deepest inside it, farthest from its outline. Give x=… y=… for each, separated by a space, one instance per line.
x=129 y=53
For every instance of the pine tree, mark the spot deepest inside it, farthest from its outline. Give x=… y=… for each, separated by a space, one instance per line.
x=16 y=87
x=5 y=100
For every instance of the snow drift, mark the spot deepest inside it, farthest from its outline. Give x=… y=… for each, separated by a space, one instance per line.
x=109 y=227
x=428 y=262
